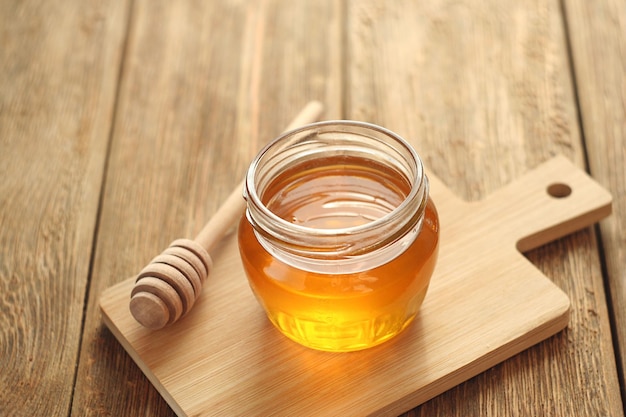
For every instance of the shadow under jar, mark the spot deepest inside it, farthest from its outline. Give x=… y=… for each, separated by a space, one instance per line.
x=340 y=238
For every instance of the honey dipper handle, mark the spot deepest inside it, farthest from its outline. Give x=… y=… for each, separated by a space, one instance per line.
x=234 y=205
x=223 y=219
x=309 y=114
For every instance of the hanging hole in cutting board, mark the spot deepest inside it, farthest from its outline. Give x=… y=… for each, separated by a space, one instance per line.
x=559 y=190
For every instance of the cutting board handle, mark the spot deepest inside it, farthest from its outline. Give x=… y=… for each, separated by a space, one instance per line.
x=547 y=203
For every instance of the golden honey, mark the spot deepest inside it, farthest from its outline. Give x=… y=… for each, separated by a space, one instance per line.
x=339 y=243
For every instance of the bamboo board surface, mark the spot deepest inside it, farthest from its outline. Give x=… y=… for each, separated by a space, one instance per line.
x=486 y=303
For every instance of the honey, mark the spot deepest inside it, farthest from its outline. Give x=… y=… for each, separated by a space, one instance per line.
x=338 y=244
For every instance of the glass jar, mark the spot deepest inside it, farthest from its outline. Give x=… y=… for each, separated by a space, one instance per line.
x=340 y=238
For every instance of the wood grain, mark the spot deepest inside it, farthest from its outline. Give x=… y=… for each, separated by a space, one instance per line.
x=484 y=90
x=59 y=65
x=204 y=85
x=598 y=40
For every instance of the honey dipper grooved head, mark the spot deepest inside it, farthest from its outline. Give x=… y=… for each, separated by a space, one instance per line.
x=167 y=288
x=149 y=310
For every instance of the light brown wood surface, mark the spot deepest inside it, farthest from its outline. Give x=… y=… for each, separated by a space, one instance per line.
x=59 y=70
x=485 y=303
x=599 y=59
x=123 y=125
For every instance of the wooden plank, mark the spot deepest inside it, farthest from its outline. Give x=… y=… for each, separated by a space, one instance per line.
x=59 y=65
x=204 y=86
x=598 y=40
x=484 y=92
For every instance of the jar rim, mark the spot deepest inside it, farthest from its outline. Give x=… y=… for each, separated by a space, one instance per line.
x=418 y=182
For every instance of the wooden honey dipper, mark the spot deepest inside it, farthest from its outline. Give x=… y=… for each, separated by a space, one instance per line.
x=167 y=288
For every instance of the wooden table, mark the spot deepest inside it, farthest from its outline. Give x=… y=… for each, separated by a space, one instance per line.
x=124 y=124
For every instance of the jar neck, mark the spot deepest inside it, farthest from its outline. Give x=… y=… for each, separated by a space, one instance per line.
x=313 y=144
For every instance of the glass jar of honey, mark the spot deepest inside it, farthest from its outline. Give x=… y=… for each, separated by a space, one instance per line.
x=340 y=237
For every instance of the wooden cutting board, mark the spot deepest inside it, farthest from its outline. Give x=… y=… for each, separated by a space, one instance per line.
x=486 y=303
